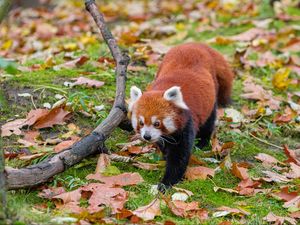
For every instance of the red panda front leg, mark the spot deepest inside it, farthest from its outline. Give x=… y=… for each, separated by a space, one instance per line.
x=177 y=156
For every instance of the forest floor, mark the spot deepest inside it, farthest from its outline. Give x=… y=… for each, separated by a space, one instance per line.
x=43 y=49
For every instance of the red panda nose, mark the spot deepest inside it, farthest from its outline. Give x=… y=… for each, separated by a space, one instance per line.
x=147 y=137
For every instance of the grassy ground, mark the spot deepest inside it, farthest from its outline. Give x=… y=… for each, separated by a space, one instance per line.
x=44 y=84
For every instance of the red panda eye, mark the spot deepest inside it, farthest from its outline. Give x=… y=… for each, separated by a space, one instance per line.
x=141 y=123
x=156 y=124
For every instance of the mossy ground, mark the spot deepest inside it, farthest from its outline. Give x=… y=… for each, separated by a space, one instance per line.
x=46 y=83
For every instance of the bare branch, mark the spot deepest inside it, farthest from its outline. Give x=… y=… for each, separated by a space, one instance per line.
x=91 y=144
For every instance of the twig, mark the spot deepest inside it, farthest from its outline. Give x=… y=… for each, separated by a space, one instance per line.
x=120 y=158
x=265 y=142
x=94 y=142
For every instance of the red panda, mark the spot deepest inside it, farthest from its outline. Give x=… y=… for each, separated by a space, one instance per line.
x=181 y=103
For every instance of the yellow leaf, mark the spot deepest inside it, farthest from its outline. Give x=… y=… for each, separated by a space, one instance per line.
x=6 y=45
x=281 y=79
x=88 y=39
x=70 y=46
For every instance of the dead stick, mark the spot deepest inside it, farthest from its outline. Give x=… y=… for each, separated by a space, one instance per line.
x=91 y=144
x=2 y=186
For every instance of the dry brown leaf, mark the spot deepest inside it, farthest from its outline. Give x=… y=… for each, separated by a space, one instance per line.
x=146 y=166
x=66 y=144
x=295 y=215
x=31 y=136
x=73 y=63
x=87 y=82
x=247 y=187
x=285 y=195
x=72 y=196
x=199 y=172
x=278 y=219
x=53 y=117
x=123 y=179
x=294 y=171
x=239 y=171
x=51 y=192
x=248 y=35
x=103 y=162
x=34 y=115
x=13 y=127
x=31 y=157
x=292 y=157
x=114 y=198
x=181 y=208
x=148 y=212
x=225 y=189
x=275 y=177
x=266 y=159
x=293 y=203
x=224 y=210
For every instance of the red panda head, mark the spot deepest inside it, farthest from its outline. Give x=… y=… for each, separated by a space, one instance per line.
x=156 y=113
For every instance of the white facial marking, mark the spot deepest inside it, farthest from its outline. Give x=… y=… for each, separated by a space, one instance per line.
x=169 y=124
x=174 y=95
x=135 y=94
x=134 y=120
x=142 y=119
x=153 y=132
x=153 y=119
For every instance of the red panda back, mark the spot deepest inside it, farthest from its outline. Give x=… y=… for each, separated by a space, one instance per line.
x=195 y=68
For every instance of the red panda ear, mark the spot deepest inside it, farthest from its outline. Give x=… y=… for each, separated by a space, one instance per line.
x=174 y=95
x=135 y=94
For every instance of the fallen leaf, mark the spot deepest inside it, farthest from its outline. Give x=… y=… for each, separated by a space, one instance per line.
x=294 y=171
x=55 y=116
x=285 y=195
x=225 y=189
x=66 y=144
x=278 y=219
x=293 y=203
x=148 y=212
x=199 y=172
x=292 y=157
x=51 y=192
x=224 y=211
x=34 y=115
x=247 y=187
x=115 y=198
x=87 y=82
x=266 y=159
x=123 y=179
x=146 y=166
x=181 y=208
x=275 y=177
x=31 y=157
x=73 y=63
x=281 y=79
x=12 y=127
x=248 y=35
x=239 y=171
x=103 y=162
x=72 y=196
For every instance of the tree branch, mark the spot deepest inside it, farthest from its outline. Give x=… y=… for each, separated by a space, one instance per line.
x=4 y=6
x=91 y=144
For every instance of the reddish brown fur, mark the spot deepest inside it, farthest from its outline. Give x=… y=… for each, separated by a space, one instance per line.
x=201 y=72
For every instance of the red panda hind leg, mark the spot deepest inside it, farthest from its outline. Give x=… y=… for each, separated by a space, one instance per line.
x=225 y=78
x=206 y=130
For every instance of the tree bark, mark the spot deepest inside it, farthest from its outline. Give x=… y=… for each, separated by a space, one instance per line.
x=4 y=6
x=2 y=186
x=91 y=144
